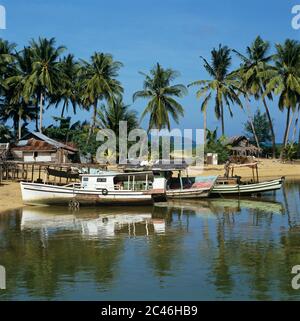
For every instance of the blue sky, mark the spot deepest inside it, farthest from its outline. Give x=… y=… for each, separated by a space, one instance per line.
x=141 y=33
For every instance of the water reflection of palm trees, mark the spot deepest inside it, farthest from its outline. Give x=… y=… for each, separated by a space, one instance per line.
x=44 y=248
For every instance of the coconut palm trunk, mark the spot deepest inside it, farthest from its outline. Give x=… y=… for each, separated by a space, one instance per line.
x=271 y=128
x=204 y=125
x=295 y=126
x=36 y=116
x=93 y=123
x=252 y=124
x=222 y=120
x=41 y=112
x=19 y=126
x=286 y=132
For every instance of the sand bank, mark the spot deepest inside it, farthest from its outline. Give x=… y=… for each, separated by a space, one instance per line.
x=10 y=193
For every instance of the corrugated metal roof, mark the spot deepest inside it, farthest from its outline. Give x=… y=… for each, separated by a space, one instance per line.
x=51 y=141
x=35 y=145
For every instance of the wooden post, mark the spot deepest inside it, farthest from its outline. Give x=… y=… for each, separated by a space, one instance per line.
x=180 y=178
x=60 y=176
x=23 y=170
x=32 y=173
x=26 y=172
x=47 y=177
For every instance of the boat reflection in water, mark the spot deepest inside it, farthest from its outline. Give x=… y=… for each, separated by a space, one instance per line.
x=136 y=221
x=93 y=223
x=224 y=206
x=211 y=249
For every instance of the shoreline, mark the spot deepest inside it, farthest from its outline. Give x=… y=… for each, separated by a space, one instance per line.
x=10 y=193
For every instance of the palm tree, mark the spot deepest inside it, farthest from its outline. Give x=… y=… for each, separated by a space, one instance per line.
x=67 y=93
x=254 y=63
x=46 y=75
x=284 y=80
x=15 y=106
x=18 y=112
x=6 y=61
x=110 y=115
x=114 y=112
x=160 y=92
x=98 y=82
x=223 y=86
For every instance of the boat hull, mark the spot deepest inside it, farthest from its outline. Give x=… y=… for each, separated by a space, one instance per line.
x=201 y=188
x=43 y=194
x=187 y=194
x=248 y=188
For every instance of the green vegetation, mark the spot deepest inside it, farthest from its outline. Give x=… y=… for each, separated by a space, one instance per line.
x=158 y=88
x=223 y=86
x=261 y=127
x=253 y=83
x=217 y=145
x=42 y=75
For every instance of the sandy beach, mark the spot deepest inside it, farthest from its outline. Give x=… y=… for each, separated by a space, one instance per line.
x=10 y=196
x=10 y=193
x=267 y=169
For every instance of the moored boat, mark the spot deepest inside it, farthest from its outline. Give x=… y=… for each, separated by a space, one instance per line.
x=99 y=189
x=184 y=187
x=234 y=185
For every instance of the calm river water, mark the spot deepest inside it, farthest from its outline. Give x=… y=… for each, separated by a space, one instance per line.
x=200 y=250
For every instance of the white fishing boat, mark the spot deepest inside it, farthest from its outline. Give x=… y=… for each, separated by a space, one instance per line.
x=234 y=185
x=98 y=189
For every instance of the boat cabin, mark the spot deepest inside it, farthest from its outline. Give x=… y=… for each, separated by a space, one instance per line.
x=113 y=181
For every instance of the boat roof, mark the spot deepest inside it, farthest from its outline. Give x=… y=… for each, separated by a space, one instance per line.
x=251 y=165
x=107 y=174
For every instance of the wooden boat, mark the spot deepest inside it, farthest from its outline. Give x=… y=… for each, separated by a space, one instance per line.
x=233 y=185
x=106 y=188
x=183 y=187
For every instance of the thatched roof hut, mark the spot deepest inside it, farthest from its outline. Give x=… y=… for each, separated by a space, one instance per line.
x=242 y=151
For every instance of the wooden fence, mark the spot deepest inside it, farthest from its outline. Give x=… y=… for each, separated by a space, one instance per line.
x=43 y=172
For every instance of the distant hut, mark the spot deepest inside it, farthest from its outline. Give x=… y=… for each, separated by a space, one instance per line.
x=242 y=151
x=37 y=147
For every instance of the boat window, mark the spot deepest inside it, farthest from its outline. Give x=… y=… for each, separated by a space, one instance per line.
x=85 y=179
x=101 y=180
